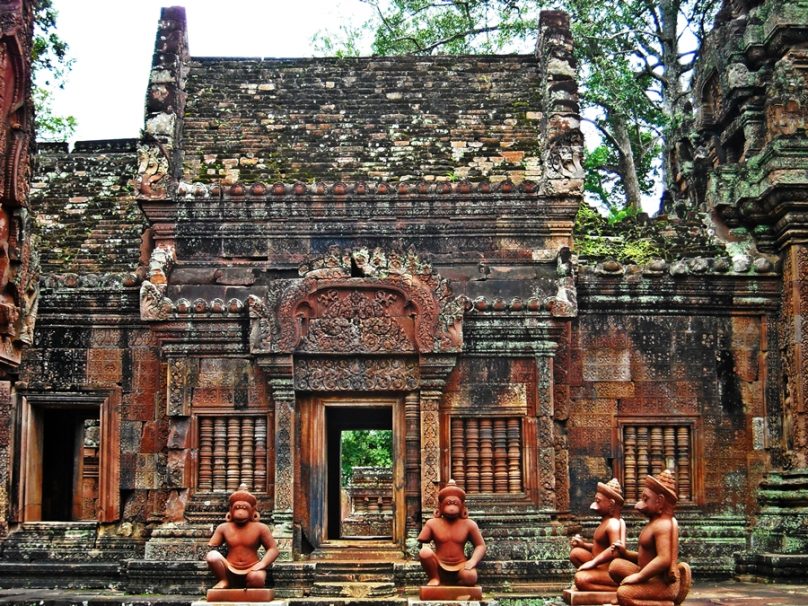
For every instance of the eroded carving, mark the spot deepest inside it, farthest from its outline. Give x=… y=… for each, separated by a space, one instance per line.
x=152 y=171
x=153 y=305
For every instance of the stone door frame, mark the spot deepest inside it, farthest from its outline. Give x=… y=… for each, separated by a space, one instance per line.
x=313 y=428
x=30 y=429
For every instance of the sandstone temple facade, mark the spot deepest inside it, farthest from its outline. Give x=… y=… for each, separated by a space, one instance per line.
x=299 y=247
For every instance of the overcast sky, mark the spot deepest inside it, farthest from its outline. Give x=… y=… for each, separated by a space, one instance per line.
x=112 y=43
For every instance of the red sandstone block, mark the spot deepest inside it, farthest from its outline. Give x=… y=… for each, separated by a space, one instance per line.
x=746 y=331
x=614 y=389
x=212 y=396
x=451 y=593
x=104 y=366
x=745 y=364
x=592 y=406
x=150 y=441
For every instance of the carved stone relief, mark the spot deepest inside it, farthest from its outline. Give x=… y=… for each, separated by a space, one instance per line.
x=152 y=172
x=356 y=374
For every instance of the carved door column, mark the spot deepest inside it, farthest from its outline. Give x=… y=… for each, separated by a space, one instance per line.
x=281 y=384
x=794 y=348
x=546 y=433
x=434 y=371
x=412 y=466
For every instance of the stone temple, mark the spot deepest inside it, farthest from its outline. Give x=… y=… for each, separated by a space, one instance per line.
x=296 y=248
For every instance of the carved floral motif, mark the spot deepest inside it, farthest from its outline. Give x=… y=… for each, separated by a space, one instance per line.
x=358 y=322
x=356 y=374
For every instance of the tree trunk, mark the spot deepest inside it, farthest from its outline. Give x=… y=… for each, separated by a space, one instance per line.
x=668 y=14
x=627 y=168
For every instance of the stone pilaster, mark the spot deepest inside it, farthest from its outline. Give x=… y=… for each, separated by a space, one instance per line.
x=281 y=384
x=412 y=465
x=794 y=351
x=545 y=433
x=434 y=370
x=6 y=455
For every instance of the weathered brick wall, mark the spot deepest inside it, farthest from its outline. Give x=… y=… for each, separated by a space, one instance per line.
x=86 y=215
x=362 y=118
x=663 y=349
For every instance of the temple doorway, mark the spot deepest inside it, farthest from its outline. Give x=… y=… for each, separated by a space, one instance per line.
x=68 y=457
x=360 y=487
x=70 y=465
x=62 y=464
x=341 y=502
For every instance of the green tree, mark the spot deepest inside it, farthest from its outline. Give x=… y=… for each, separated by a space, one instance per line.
x=365 y=448
x=50 y=65
x=631 y=56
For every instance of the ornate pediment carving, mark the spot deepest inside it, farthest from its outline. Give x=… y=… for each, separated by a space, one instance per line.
x=360 y=301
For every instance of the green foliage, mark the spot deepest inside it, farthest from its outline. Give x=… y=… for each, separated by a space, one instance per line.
x=49 y=126
x=365 y=448
x=617 y=236
x=50 y=65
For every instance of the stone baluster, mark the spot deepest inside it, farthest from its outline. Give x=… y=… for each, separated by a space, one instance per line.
x=683 y=462
x=642 y=452
x=514 y=456
x=486 y=456
x=248 y=451
x=260 y=471
x=458 y=453
x=205 y=481
x=656 y=456
x=472 y=455
x=500 y=456
x=630 y=470
x=233 y=450
x=669 y=447
x=219 y=454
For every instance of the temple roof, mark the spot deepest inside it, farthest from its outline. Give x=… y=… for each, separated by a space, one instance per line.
x=475 y=117
x=86 y=215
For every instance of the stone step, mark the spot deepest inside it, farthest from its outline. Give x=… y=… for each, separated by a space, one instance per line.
x=353 y=589
x=65 y=541
x=358 y=550
x=66 y=575
x=402 y=601
x=354 y=571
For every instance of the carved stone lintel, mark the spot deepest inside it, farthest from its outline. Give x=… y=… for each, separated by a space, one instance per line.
x=356 y=374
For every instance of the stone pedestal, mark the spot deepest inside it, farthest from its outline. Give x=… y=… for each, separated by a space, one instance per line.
x=250 y=596
x=574 y=597
x=438 y=593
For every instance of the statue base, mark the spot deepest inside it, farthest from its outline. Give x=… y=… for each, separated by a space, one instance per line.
x=573 y=597
x=438 y=593
x=240 y=595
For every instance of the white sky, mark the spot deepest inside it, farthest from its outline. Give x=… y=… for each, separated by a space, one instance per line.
x=112 y=43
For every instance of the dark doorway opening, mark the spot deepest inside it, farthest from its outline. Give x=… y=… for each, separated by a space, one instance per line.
x=341 y=419
x=69 y=464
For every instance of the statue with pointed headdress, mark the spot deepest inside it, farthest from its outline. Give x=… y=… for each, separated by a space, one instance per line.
x=653 y=575
x=592 y=559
